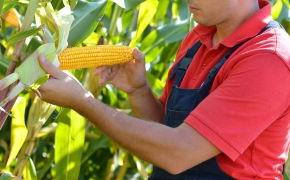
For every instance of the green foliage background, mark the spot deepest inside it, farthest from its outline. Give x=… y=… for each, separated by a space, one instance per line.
x=65 y=145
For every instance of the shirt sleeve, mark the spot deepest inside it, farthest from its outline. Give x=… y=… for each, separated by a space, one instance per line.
x=248 y=95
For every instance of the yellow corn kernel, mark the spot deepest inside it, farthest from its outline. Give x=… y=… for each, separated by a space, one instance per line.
x=94 y=56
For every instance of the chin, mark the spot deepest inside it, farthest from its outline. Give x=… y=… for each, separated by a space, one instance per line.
x=202 y=22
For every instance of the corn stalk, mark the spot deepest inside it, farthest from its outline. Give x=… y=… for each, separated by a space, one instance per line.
x=28 y=19
x=38 y=114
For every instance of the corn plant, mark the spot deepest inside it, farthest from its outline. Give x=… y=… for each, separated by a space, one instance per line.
x=41 y=141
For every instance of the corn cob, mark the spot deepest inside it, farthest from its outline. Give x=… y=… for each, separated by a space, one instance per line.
x=94 y=56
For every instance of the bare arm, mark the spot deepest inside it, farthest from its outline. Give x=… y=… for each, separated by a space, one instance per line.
x=146 y=106
x=173 y=149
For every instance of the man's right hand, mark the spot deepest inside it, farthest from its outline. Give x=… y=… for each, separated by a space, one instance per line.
x=129 y=77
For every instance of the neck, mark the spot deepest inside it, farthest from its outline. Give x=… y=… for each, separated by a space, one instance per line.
x=226 y=28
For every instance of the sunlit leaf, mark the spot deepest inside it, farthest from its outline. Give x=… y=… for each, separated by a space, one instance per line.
x=175 y=10
x=69 y=141
x=276 y=9
x=140 y=168
x=29 y=172
x=18 y=128
x=162 y=10
x=39 y=82
x=146 y=14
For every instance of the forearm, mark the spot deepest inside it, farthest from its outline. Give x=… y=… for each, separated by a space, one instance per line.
x=173 y=149
x=145 y=106
x=139 y=137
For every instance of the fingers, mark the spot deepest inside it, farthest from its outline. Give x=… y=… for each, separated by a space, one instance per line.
x=49 y=68
x=99 y=70
x=105 y=76
x=104 y=72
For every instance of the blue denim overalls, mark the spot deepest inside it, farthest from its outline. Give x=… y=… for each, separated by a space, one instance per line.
x=181 y=102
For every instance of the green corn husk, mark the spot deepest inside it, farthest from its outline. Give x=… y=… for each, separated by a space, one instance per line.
x=30 y=71
x=55 y=31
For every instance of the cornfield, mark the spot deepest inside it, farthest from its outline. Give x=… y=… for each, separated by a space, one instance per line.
x=42 y=141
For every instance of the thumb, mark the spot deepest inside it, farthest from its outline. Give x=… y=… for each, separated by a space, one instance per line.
x=48 y=67
x=138 y=55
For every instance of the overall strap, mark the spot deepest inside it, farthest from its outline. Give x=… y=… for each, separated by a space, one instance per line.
x=213 y=72
x=181 y=67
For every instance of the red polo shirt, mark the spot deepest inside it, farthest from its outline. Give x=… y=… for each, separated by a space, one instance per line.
x=247 y=113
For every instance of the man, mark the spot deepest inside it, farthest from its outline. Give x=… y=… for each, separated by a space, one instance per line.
x=233 y=124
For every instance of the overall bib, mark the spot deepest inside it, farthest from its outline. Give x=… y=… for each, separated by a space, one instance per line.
x=182 y=101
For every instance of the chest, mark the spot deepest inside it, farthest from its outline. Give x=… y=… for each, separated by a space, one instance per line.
x=203 y=61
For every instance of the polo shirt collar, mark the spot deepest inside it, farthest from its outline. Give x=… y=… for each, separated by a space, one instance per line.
x=250 y=28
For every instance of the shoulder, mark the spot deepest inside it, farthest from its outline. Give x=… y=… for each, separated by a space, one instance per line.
x=272 y=44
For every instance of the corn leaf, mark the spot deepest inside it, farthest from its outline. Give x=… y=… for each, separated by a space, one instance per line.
x=47 y=165
x=29 y=171
x=163 y=7
x=276 y=9
x=4 y=63
x=18 y=128
x=29 y=15
x=22 y=35
x=146 y=14
x=69 y=141
x=183 y=10
x=94 y=145
x=40 y=82
x=87 y=16
x=6 y=7
x=7 y=176
x=140 y=168
x=156 y=83
x=128 y=4
x=165 y=34
x=19 y=2
x=1 y=5
x=65 y=2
